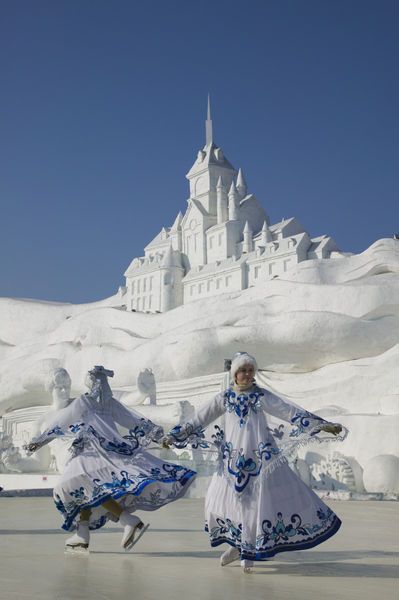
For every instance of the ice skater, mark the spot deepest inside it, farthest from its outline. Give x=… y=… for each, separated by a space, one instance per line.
x=109 y=476
x=255 y=503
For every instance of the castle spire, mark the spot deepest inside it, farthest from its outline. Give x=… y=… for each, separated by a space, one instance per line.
x=241 y=184
x=208 y=125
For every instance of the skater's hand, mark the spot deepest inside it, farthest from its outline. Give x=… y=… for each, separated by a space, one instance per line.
x=31 y=448
x=166 y=442
x=334 y=428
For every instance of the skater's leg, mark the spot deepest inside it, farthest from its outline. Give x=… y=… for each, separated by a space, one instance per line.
x=85 y=514
x=133 y=527
x=113 y=507
x=79 y=541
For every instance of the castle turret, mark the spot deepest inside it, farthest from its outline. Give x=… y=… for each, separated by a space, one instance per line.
x=266 y=235
x=172 y=273
x=241 y=185
x=247 y=245
x=222 y=209
x=233 y=202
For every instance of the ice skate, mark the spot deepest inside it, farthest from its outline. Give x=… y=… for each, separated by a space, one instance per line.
x=78 y=543
x=231 y=554
x=247 y=565
x=133 y=529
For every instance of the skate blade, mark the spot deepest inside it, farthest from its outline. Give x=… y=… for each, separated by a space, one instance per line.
x=81 y=550
x=133 y=541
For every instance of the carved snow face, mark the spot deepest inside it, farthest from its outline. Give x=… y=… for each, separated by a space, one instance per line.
x=62 y=390
x=245 y=375
x=61 y=387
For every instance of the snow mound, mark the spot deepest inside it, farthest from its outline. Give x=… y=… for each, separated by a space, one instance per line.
x=311 y=330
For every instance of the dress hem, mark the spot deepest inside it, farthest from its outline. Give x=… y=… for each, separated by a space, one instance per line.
x=185 y=482
x=266 y=554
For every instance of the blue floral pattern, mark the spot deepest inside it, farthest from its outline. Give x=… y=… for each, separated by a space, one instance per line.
x=304 y=422
x=144 y=433
x=187 y=435
x=241 y=404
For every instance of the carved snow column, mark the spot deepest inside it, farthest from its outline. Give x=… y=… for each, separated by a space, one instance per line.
x=266 y=235
x=221 y=198
x=233 y=202
x=241 y=185
x=247 y=245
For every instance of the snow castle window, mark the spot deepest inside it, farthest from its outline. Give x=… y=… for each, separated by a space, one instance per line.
x=200 y=286
x=151 y=279
x=144 y=284
x=133 y=286
x=220 y=239
x=208 y=285
x=192 y=288
x=211 y=242
x=218 y=283
x=256 y=273
x=138 y=286
x=271 y=268
x=227 y=280
x=143 y=303
x=138 y=306
x=287 y=264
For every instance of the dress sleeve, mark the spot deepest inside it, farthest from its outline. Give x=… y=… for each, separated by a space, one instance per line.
x=66 y=422
x=303 y=422
x=192 y=432
x=142 y=429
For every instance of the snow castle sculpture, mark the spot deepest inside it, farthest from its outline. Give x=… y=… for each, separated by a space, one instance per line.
x=223 y=243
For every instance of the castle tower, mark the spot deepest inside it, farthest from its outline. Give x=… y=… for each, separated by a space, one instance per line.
x=172 y=273
x=211 y=164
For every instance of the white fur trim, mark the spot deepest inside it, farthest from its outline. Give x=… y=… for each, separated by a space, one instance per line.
x=239 y=360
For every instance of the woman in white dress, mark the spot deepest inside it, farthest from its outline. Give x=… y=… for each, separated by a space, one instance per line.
x=108 y=475
x=255 y=502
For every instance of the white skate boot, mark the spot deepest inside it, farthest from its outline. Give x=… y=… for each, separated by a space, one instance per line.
x=229 y=556
x=133 y=529
x=247 y=565
x=78 y=543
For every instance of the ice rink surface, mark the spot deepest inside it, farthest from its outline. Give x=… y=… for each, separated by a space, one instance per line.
x=173 y=560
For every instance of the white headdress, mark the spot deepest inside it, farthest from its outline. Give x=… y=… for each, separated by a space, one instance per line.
x=239 y=360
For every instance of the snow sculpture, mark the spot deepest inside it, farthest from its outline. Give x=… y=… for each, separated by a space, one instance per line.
x=9 y=455
x=334 y=472
x=381 y=474
x=54 y=457
x=146 y=386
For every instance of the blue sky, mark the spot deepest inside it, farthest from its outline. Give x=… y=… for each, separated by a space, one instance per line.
x=102 y=110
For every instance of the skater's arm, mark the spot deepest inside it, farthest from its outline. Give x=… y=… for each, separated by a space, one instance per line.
x=192 y=432
x=142 y=428
x=302 y=419
x=65 y=422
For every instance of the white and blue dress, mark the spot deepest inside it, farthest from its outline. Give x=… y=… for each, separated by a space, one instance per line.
x=255 y=501
x=103 y=464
